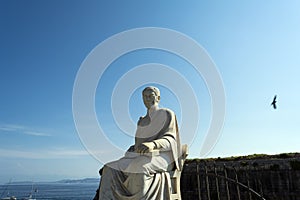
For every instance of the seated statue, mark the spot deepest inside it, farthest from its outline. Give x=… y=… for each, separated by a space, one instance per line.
x=141 y=174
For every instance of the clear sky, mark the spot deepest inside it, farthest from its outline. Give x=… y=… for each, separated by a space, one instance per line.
x=255 y=46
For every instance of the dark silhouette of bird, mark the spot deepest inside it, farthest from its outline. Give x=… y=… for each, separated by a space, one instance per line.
x=274 y=102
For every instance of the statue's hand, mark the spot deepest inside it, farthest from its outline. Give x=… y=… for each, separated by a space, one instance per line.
x=145 y=147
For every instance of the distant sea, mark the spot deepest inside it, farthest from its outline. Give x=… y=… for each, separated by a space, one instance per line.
x=51 y=191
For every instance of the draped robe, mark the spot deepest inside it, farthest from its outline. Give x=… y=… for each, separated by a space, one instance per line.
x=140 y=176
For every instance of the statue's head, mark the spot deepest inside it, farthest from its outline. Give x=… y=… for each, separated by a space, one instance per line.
x=151 y=96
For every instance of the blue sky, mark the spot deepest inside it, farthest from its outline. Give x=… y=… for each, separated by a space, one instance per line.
x=255 y=46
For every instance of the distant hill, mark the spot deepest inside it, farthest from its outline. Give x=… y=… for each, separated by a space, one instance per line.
x=292 y=155
x=85 y=180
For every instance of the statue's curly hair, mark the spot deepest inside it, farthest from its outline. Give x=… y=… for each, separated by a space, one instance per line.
x=155 y=89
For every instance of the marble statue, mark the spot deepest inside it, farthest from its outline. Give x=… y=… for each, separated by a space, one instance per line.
x=141 y=175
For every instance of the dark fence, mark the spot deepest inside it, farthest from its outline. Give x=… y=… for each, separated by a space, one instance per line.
x=239 y=181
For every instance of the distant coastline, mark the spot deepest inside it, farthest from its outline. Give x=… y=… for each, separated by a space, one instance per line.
x=85 y=180
x=67 y=181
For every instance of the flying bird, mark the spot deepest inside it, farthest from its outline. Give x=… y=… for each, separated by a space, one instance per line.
x=274 y=102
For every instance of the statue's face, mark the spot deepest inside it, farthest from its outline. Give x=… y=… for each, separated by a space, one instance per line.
x=150 y=98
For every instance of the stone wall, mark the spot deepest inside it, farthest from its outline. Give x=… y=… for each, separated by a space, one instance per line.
x=273 y=177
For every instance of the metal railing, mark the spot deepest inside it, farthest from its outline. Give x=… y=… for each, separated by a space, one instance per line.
x=222 y=182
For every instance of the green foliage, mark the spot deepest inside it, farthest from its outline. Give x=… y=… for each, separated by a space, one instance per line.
x=249 y=157
x=284 y=155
